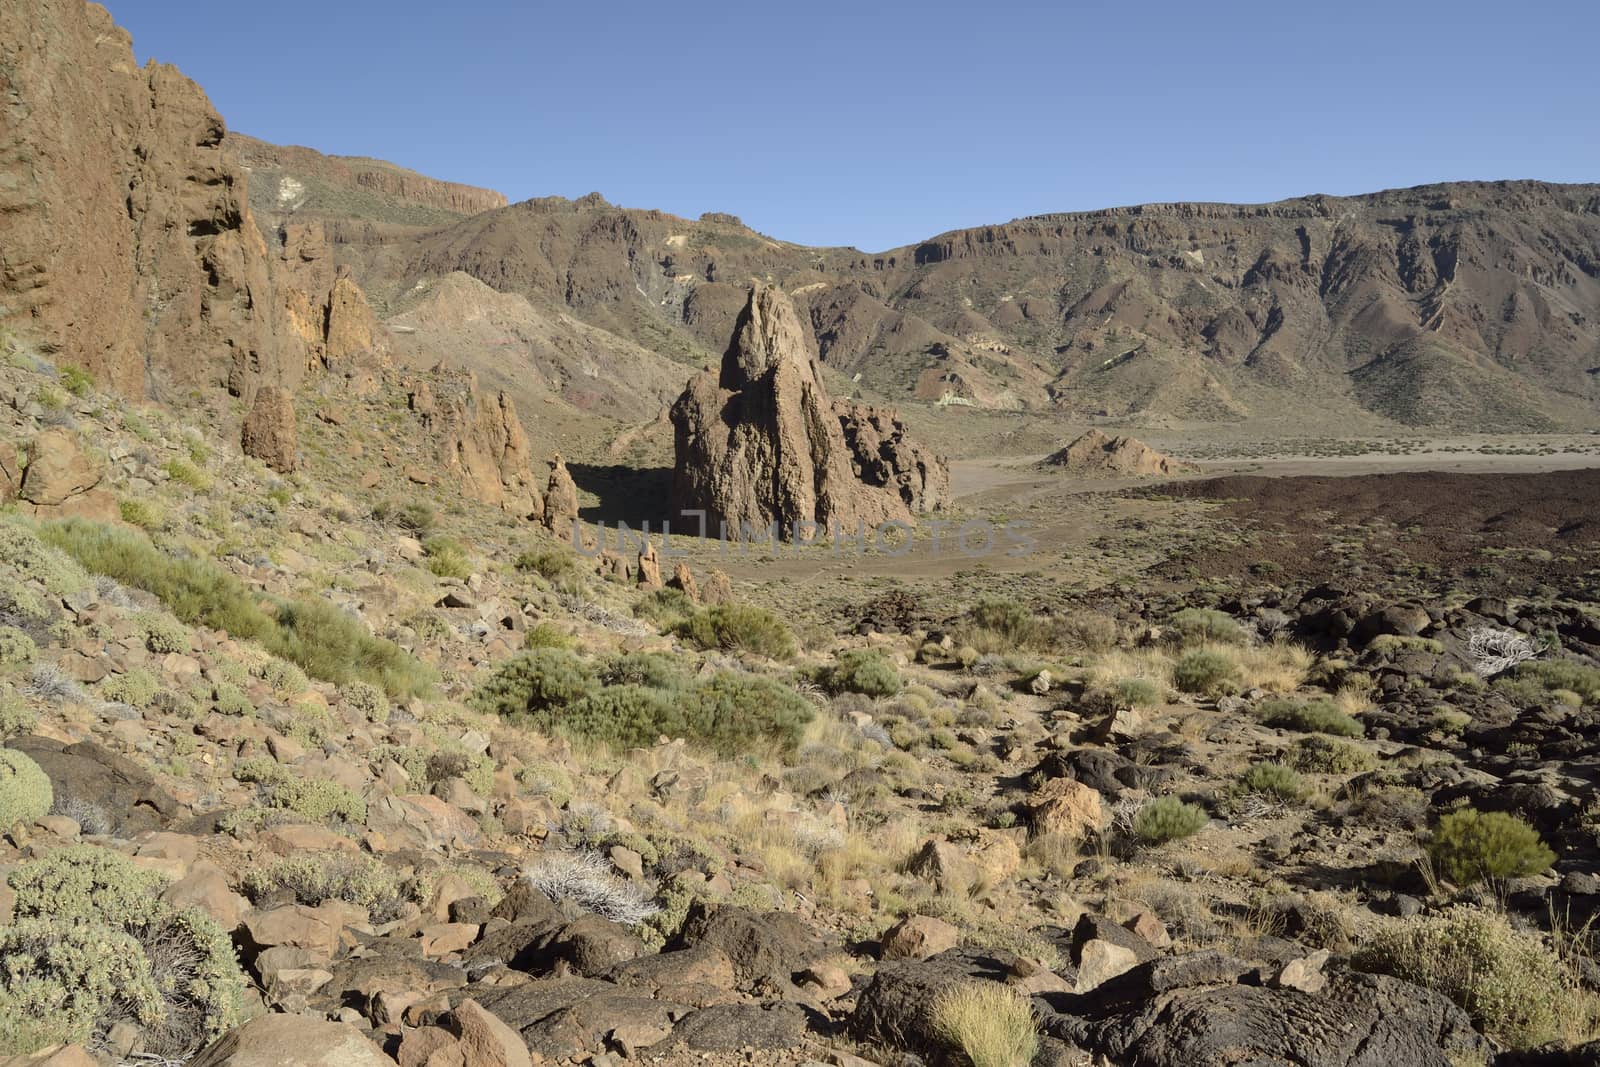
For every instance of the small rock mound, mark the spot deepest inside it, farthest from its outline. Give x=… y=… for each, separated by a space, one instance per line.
x=1095 y=453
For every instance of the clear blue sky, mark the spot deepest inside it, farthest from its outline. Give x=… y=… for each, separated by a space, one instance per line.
x=877 y=124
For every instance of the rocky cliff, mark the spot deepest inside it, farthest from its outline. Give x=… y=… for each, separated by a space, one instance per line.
x=289 y=173
x=128 y=246
x=762 y=443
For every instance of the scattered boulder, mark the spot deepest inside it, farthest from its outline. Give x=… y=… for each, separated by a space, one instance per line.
x=53 y=477
x=1094 y=453
x=292 y=1041
x=918 y=937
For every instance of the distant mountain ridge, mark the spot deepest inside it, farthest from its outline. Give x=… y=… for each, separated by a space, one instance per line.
x=1468 y=305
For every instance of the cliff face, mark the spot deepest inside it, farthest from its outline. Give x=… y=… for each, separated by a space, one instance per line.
x=126 y=243
x=385 y=181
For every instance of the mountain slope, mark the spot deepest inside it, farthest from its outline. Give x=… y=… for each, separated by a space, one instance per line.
x=1470 y=305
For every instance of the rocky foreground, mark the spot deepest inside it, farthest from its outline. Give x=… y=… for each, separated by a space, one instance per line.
x=301 y=768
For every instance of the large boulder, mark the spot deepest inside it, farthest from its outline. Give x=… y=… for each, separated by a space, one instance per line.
x=269 y=430
x=292 y=1041
x=1186 y=1011
x=762 y=444
x=54 y=477
x=560 y=499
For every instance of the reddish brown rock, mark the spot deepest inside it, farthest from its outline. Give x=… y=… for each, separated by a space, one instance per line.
x=560 y=498
x=60 y=479
x=649 y=566
x=683 y=580
x=762 y=444
x=479 y=439
x=124 y=214
x=1093 y=453
x=269 y=429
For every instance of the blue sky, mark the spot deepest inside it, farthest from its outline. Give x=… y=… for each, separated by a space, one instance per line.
x=880 y=124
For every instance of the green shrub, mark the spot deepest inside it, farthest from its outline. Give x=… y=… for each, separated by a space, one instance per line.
x=313 y=634
x=1470 y=845
x=625 y=715
x=1553 y=675
x=83 y=883
x=549 y=563
x=1168 y=819
x=162 y=633
x=189 y=958
x=62 y=982
x=738 y=628
x=1326 y=755
x=76 y=380
x=414 y=516
x=16 y=717
x=1137 y=693
x=533 y=682
x=1275 y=780
x=737 y=713
x=319 y=800
x=1511 y=985
x=1002 y=625
x=364 y=881
x=665 y=608
x=24 y=551
x=136 y=688
x=1315 y=717
x=1205 y=672
x=366 y=700
x=186 y=473
x=446 y=557
x=145 y=514
x=1194 y=625
x=16 y=648
x=25 y=792
x=548 y=635
x=230 y=699
x=658 y=670
x=862 y=670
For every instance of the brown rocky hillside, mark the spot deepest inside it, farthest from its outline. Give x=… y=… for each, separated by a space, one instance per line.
x=1471 y=305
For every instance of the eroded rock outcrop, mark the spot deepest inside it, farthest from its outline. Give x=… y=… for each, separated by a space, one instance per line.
x=123 y=214
x=269 y=429
x=326 y=308
x=480 y=440
x=560 y=498
x=1095 y=453
x=762 y=442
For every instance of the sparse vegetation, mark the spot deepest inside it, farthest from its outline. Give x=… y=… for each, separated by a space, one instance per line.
x=738 y=628
x=862 y=670
x=1206 y=672
x=313 y=634
x=25 y=792
x=1313 y=716
x=1509 y=982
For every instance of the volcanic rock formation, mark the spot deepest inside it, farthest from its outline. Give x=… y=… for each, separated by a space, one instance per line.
x=764 y=444
x=1095 y=453
x=480 y=440
x=127 y=240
